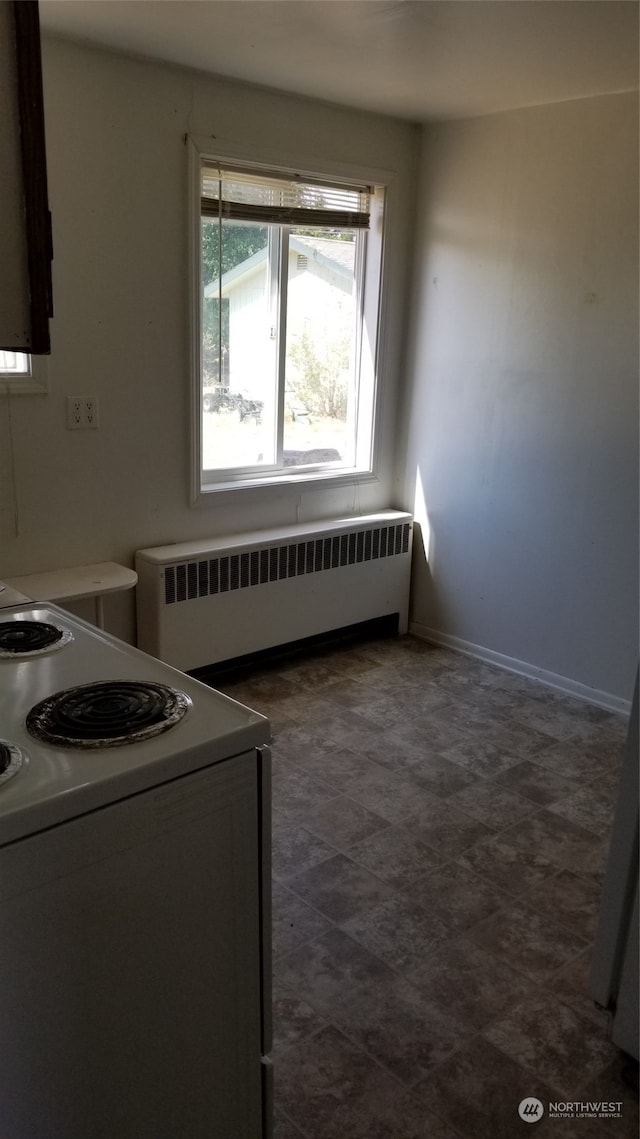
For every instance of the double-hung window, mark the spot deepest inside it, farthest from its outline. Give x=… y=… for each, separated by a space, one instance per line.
x=285 y=370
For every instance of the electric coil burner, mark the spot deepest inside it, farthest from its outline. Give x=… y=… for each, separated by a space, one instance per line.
x=107 y=713
x=10 y=760
x=27 y=638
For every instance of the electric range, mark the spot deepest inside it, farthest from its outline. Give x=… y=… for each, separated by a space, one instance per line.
x=47 y=775
x=135 y=920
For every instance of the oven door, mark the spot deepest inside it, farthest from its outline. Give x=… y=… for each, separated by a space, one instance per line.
x=133 y=1000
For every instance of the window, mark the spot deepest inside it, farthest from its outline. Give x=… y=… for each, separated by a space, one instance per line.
x=22 y=374
x=288 y=268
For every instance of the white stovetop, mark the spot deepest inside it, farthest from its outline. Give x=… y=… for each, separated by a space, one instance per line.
x=57 y=783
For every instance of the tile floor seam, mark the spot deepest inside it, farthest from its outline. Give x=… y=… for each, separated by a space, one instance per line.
x=524 y=1066
x=402 y=1085
x=360 y=867
x=282 y=1049
x=395 y=822
x=461 y=850
x=382 y=770
x=308 y=998
x=283 y=1113
x=406 y=775
x=400 y=974
x=540 y=809
x=314 y=778
x=378 y=1063
x=562 y=922
x=466 y=930
x=516 y=965
x=301 y=898
x=585 y=877
x=549 y=1081
x=477 y=1036
x=348 y=852
x=283 y=880
x=364 y=985
x=537 y=807
x=522 y=900
x=308 y=825
x=294 y=814
x=570 y=961
x=363 y=866
x=278 y=958
x=406 y=820
x=361 y=914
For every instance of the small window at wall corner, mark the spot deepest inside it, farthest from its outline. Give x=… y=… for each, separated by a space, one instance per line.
x=21 y=374
x=290 y=270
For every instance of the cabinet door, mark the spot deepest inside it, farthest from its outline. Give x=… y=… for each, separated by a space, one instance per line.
x=130 y=960
x=25 y=226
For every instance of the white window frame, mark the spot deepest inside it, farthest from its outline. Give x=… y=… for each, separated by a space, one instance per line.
x=33 y=379
x=205 y=486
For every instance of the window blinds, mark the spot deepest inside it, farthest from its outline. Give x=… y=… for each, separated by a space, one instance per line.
x=275 y=199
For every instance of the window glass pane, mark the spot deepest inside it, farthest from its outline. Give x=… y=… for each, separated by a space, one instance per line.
x=14 y=363
x=239 y=345
x=320 y=379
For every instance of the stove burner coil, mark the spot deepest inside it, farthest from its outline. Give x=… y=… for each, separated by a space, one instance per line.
x=10 y=760
x=107 y=713
x=25 y=638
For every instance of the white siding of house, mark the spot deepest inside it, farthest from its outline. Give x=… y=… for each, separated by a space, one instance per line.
x=252 y=348
x=313 y=295
x=316 y=291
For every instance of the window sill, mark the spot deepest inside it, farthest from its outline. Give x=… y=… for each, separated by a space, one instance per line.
x=22 y=387
x=24 y=383
x=317 y=480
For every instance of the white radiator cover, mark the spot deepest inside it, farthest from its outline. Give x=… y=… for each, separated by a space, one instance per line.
x=203 y=602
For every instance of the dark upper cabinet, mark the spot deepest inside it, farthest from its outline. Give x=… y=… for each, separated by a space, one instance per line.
x=25 y=222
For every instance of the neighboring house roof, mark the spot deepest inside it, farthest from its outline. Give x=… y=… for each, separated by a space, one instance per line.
x=322 y=250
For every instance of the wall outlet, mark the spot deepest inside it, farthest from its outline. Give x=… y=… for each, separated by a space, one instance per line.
x=82 y=412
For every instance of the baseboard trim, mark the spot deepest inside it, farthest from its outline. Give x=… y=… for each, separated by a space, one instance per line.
x=510 y=664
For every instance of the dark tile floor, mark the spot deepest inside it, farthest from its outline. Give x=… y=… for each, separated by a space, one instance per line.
x=440 y=829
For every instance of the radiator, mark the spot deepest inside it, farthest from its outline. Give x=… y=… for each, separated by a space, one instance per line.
x=203 y=602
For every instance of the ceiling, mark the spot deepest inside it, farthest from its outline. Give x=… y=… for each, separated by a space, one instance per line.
x=416 y=59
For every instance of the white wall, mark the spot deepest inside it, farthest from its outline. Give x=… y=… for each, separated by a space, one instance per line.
x=117 y=169
x=522 y=421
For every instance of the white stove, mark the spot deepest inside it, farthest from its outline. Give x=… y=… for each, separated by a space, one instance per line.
x=134 y=892
x=57 y=781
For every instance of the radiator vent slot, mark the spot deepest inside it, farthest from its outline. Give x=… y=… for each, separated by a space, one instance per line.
x=274 y=563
